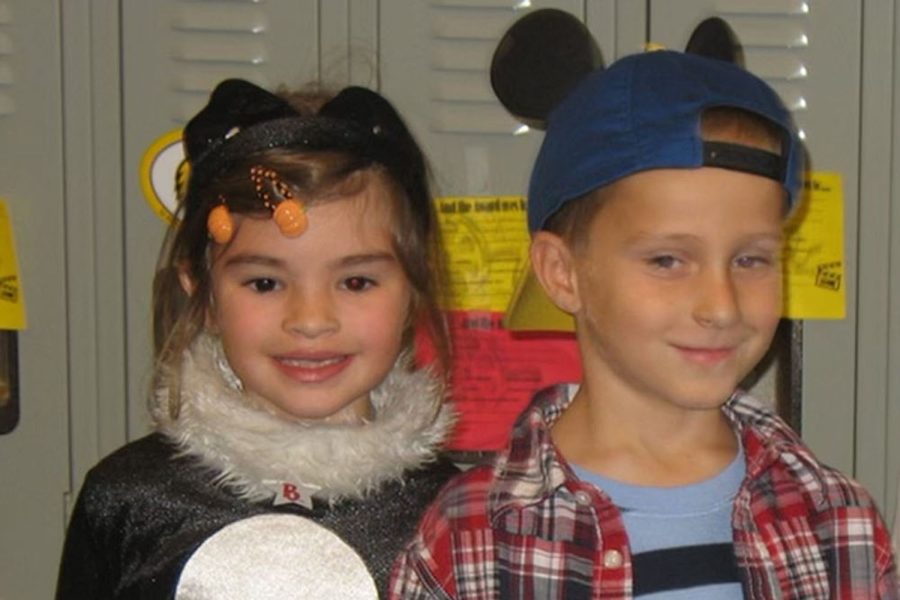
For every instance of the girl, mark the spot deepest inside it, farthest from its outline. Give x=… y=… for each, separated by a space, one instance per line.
x=295 y=443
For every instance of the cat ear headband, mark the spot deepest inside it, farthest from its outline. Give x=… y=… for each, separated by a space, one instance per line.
x=241 y=119
x=642 y=112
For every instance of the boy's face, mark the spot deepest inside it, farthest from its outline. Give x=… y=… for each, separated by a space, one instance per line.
x=676 y=289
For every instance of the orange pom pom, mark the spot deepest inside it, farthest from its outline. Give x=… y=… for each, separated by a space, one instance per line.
x=220 y=225
x=290 y=217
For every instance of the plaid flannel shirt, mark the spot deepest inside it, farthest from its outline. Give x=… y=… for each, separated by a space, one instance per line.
x=527 y=527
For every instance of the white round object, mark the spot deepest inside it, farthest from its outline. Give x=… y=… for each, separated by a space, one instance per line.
x=275 y=556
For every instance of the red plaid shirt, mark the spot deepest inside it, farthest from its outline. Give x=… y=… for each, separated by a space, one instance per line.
x=526 y=527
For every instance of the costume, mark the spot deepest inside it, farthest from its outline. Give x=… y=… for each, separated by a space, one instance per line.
x=157 y=518
x=526 y=527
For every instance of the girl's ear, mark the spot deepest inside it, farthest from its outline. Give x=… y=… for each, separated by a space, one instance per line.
x=184 y=278
x=554 y=267
x=189 y=285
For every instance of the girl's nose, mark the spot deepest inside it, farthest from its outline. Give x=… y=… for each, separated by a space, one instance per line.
x=716 y=299
x=310 y=314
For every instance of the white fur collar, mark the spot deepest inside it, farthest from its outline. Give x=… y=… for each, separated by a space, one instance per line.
x=251 y=449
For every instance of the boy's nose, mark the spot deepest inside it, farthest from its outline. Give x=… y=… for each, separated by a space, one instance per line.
x=716 y=300
x=310 y=314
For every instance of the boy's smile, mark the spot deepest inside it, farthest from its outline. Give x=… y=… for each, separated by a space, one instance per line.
x=312 y=324
x=677 y=287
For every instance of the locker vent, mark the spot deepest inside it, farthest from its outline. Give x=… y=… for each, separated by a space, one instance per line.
x=775 y=37
x=7 y=105
x=462 y=37
x=213 y=40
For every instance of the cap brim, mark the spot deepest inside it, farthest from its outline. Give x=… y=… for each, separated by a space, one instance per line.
x=531 y=310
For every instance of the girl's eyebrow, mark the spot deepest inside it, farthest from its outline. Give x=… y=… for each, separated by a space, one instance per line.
x=360 y=259
x=345 y=261
x=253 y=259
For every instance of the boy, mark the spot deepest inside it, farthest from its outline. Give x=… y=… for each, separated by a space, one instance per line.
x=656 y=205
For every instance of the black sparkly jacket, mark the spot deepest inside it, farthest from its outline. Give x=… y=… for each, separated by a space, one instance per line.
x=155 y=507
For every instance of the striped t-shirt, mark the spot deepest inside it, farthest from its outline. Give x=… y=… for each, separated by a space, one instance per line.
x=680 y=537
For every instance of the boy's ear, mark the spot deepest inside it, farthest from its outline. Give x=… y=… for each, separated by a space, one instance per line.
x=554 y=267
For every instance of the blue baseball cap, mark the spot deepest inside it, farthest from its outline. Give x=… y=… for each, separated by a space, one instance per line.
x=643 y=112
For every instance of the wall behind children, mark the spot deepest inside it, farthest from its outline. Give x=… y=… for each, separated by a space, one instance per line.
x=86 y=87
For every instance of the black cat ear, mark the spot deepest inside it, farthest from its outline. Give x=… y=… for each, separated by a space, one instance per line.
x=233 y=105
x=714 y=38
x=538 y=61
x=371 y=111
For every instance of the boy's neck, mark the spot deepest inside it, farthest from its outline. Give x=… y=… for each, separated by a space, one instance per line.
x=643 y=446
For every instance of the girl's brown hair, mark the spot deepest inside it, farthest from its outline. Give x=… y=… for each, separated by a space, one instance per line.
x=315 y=177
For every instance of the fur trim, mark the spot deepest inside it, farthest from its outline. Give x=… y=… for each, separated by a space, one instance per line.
x=250 y=448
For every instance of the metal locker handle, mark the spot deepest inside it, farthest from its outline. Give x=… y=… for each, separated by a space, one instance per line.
x=9 y=381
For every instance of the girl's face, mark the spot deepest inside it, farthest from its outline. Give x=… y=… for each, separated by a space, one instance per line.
x=312 y=324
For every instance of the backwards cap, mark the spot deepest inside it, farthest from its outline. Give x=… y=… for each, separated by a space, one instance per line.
x=642 y=113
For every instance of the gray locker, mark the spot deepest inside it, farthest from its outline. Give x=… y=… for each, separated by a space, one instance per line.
x=34 y=456
x=86 y=87
x=810 y=53
x=877 y=443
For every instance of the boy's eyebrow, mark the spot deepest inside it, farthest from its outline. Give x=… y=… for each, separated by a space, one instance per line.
x=676 y=234
x=644 y=236
x=648 y=236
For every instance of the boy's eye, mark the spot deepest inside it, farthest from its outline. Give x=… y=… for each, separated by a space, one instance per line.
x=752 y=261
x=358 y=283
x=664 y=261
x=263 y=284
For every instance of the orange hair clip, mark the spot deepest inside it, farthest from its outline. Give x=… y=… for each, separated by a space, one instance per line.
x=288 y=213
x=219 y=223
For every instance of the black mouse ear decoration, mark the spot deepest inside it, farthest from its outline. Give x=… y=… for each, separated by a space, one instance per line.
x=539 y=60
x=714 y=38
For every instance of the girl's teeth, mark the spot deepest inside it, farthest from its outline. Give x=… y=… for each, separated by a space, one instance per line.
x=309 y=363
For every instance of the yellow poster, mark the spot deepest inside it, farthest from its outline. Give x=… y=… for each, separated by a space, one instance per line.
x=814 y=273
x=12 y=299
x=486 y=242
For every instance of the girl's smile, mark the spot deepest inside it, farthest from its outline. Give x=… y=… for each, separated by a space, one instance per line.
x=311 y=368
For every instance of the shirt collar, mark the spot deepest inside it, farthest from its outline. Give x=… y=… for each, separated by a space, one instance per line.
x=769 y=441
x=532 y=469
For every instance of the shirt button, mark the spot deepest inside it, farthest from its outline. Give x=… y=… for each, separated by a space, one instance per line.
x=612 y=559
x=582 y=498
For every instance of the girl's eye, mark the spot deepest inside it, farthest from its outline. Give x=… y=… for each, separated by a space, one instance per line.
x=358 y=283
x=263 y=285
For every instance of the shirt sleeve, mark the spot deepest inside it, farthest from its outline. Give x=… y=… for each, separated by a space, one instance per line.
x=80 y=569
x=406 y=584
x=886 y=563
